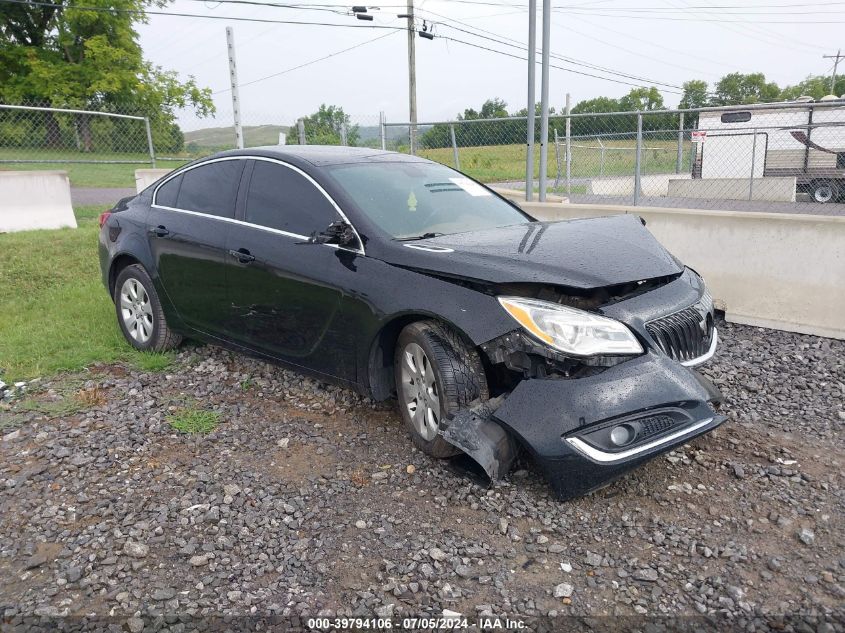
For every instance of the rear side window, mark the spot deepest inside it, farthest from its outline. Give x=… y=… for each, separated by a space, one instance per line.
x=283 y=199
x=211 y=188
x=168 y=192
x=736 y=117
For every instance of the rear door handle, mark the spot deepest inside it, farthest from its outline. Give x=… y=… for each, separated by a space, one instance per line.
x=242 y=255
x=160 y=231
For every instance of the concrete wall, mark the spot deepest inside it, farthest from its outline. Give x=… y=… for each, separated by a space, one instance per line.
x=774 y=270
x=768 y=189
x=35 y=200
x=518 y=195
x=145 y=177
x=650 y=185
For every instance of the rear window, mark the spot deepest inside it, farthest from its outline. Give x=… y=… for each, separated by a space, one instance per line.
x=211 y=188
x=736 y=117
x=168 y=192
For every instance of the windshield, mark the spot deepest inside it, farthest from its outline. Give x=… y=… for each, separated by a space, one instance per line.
x=415 y=200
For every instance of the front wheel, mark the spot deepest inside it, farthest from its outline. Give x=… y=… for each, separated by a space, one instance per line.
x=139 y=312
x=437 y=373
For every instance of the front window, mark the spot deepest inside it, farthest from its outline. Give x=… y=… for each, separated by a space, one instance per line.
x=409 y=200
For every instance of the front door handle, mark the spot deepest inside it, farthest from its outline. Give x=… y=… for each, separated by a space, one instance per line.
x=242 y=255
x=160 y=231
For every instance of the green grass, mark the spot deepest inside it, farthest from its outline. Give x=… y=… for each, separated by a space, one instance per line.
x=224 y=137
x=84 y=174
x=498 y=163
x=194 y=421
x=494 y=163
x=55 y=314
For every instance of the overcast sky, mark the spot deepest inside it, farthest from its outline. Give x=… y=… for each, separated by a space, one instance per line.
x=668 y=41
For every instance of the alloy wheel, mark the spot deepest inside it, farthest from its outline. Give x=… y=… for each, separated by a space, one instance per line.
x=823 y=193
x=136 y=310
x=419 y=391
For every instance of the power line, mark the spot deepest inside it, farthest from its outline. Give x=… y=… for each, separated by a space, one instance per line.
x=510 y=42
x=308 y=63
x=569 y=70
x=653 y=44
x=715 y=20
x=761 y=34
x=142 y=12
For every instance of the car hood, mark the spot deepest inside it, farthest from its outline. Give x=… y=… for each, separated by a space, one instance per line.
x=585 y=253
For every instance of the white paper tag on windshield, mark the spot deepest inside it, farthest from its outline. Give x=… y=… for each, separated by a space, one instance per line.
x=472 y=188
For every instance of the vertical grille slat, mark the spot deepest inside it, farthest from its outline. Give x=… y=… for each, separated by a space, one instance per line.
x=684 y=335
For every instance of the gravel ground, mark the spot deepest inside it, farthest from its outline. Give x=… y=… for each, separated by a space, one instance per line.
x=310 y=500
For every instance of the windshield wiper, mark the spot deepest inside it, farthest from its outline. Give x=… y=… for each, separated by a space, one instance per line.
x=414 y=238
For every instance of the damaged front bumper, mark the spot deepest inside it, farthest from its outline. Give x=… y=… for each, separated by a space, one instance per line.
x=584 y=432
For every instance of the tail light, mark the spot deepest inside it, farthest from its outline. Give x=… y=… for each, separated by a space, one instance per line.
x=104 y=218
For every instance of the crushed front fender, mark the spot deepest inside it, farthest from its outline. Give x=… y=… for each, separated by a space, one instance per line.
x=565 y=424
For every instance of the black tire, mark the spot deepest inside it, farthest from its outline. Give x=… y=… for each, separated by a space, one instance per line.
x=458 y=373
x=161 y=338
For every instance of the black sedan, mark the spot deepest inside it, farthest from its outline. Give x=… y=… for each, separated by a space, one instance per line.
x=399 y=277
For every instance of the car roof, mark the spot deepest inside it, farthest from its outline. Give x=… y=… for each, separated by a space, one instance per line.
x=323 y=155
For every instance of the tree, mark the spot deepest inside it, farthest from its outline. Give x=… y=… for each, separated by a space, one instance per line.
x=737 y=89
x=325 y=125
x=589 y=125
x=816 y=86
x=63 y=57
x=695 y=94
x=642 y=99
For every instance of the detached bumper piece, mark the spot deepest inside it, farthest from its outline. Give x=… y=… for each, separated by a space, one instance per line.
x=586 y=432
x=476 y=434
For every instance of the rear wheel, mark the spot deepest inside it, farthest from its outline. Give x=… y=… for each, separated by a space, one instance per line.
x=437 y=373
x=824 y=191
x=139 y=312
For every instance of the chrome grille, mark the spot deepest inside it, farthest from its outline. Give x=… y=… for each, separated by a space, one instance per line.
x=686 y=334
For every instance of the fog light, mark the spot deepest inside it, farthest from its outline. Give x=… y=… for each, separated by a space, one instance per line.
x=622 y=434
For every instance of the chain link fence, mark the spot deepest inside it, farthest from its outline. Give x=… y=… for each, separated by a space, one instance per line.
x=781 y=157
x=766 y=157
x=103 y=149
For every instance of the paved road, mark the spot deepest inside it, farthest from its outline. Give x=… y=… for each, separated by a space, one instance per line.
x=802 y=205
x=809 y=208
x=90 y=196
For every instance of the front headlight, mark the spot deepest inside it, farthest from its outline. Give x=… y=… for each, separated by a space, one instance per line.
x=569 y=330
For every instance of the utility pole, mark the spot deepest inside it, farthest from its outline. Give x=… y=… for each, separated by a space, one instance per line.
x=544 y=98
x=836 y=59
x=233 y=76
x=532 y=63
x=412 y=76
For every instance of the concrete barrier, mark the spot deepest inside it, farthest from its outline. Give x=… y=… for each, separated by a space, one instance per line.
x=769 y=189
x=776 y=270
x=145 y=177
x=518 y=195
x=35 y=200
x=651 y=185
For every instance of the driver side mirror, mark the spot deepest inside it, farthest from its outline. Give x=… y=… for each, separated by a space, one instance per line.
x=340 y=233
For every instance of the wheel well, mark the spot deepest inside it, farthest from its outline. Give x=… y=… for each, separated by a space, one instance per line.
x=380 y=366
x=120 y=262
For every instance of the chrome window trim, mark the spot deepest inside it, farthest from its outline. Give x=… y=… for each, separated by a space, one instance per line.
x=359 y=251
x=609 y=458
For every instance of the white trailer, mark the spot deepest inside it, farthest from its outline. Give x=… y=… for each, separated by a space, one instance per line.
x=803 y=139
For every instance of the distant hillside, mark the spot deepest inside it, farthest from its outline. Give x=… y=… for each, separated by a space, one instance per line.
x=225 y=136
